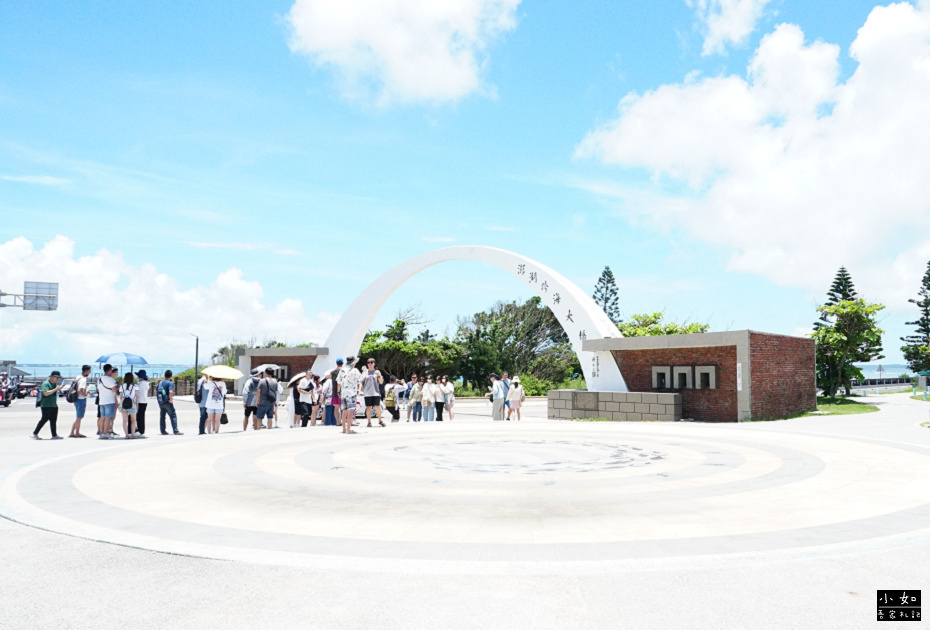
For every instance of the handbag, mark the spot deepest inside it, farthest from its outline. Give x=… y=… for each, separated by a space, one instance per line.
x=198 y=395
x=224 y=419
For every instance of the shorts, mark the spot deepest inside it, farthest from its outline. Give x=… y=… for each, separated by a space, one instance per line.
x=372 y=401
x=264 y=411
x=348 y=402
x=250 y=410
x=108 y=411
x=80 y=406
x=132 y=410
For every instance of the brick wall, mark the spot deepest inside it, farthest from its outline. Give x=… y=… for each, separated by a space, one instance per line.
x=706 y=405
x=782 y=376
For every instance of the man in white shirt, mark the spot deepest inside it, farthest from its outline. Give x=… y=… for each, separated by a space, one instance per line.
x=106 y=397
x=80 y=405
x=349 y=383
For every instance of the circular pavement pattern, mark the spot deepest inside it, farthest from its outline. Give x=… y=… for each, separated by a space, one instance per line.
x=482 y=497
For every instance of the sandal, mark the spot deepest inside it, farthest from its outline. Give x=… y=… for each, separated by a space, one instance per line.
x=381 y=422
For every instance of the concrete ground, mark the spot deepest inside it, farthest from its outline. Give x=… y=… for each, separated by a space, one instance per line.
x=468 y=524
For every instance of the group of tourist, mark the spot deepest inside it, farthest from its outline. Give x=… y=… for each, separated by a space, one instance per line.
x=339 y=393
x=128 y=396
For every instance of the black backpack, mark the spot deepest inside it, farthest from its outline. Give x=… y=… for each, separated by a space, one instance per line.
x=72 y=394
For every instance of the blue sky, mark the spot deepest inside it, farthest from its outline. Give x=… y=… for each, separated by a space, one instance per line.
x=170 y=144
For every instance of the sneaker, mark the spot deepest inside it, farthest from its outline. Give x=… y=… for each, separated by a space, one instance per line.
x=104 y=436
x=165 y=433
x=178 y=433
x=136 y=435
x=34 y=436
x=57 y=437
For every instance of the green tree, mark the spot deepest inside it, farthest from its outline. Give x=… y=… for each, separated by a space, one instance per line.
x=649 y=324
x=848 y=333
x=916 y=347
x=605 y=295
x=519 y=338
x=842 y=289
x=401 y=358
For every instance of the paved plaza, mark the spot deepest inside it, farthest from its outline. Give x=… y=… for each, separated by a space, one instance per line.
x=470 y=523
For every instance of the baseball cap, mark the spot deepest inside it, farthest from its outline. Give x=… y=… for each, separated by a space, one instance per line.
x=339 y=360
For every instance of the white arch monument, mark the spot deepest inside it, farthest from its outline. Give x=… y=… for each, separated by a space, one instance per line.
x=579 y=315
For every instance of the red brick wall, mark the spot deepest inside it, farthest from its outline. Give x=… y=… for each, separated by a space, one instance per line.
x=706 y=405
x=782 y=376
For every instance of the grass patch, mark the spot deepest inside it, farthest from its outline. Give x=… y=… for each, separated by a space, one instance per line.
x=842 y=406
x=919 y=397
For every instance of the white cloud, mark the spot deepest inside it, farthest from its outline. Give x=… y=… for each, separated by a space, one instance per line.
x=726 y=21
x=44 y=180
x=438 y=239
x=790 y=170
x=405 y=50
x=108 y=305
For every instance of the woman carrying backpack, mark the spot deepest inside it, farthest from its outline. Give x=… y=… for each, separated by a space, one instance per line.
x=128 y=398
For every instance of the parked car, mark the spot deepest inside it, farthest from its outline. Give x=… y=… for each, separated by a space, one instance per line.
x=65 y=386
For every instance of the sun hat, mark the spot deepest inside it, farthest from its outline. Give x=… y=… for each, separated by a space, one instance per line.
x=54 y=373
x=254 y=371
x=141 y=374
x=516 y=379
x=352 y=360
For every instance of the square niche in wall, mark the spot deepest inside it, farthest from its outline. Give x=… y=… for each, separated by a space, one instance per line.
x=661 y=377
x=705 y=377
x=682 y=378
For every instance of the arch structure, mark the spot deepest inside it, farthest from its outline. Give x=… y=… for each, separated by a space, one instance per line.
x=578 y=314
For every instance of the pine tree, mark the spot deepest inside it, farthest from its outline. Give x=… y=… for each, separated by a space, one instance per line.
x=829 y=367
x=605 y=294
x=917 y=346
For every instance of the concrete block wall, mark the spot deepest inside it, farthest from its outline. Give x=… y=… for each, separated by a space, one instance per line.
x=620 y=406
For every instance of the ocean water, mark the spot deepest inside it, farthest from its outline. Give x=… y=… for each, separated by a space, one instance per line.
x=153 y=370
x=890 y=370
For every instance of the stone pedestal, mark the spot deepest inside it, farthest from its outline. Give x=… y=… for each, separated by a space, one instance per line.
x=567 y=404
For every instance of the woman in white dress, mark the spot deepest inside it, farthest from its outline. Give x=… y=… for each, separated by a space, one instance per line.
x=129 y=390
x=214 y=391
x=515 y=397
x=448 y=395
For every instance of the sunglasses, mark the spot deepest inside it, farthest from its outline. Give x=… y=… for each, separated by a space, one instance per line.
x=371 y=363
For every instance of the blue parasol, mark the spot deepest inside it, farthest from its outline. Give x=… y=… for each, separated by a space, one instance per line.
x=122 y=358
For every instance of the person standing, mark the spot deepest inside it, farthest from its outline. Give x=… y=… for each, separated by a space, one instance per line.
x=372 y=381
x=429 y=400
x=164 y=394
x=249 y=404
x=505 y=381
x=143 y=401
x=516 y=397
x=315 y=405
x=293 y=407
x=214 y=391
x=80 y=403
x=497 y=398
x=448 y=397
x=349 y=381
x=106 y=397
x=326 y=396
x=305 y=390
x=392 y=398
x=407 y=401
x=201 y=400
x=440 y=398
x=129 y=405
x=267 y=398
x=48 y=404
x=415 y=398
